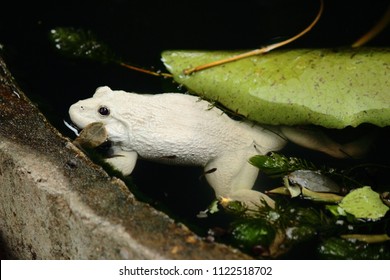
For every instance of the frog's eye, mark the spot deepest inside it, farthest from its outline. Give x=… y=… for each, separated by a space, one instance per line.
x=104 y=111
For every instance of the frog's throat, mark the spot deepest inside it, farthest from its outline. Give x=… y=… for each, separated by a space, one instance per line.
x=120 y=132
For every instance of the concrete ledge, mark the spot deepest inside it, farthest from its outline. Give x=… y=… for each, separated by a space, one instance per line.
x=56 y=204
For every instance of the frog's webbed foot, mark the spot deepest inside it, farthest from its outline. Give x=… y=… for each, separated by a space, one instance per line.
x=123 y=161
x=251 y=198
x=232 y=177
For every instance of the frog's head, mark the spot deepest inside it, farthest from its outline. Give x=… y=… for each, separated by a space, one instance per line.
x=102 y=107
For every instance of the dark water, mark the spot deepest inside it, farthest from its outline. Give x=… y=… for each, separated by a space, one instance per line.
x=138 y=31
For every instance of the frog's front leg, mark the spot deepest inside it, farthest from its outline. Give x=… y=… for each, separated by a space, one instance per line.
x=232 y=177
x=121 y=160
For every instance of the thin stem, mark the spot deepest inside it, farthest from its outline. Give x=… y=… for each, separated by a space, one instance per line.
x=374 y=31
x=165 y=75
x=258 y=51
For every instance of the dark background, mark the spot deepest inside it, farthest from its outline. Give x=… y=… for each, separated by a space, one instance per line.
x=138 y=30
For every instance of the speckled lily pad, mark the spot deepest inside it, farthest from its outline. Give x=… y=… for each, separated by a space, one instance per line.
x=364 y=203
x=331 y=88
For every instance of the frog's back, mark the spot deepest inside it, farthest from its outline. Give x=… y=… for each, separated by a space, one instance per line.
x=183 y=129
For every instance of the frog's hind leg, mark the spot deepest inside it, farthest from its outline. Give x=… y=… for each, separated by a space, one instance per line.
x=315 y=139
x=232 y=177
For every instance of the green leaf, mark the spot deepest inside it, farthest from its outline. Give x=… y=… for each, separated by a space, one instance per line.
x=321 y=196
x=364 y=203
x=279 y=165
x=336 y=210
x=338 y=248
x=253 y=232
x=331 y=88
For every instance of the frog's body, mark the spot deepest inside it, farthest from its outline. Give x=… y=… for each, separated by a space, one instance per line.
x=182 y=129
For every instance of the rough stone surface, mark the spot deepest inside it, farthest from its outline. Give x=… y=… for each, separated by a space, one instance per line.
x=56 y=204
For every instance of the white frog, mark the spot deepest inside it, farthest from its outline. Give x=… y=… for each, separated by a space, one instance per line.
x=177 y=128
